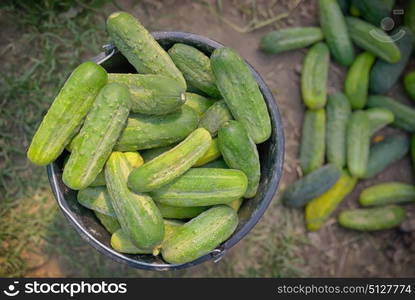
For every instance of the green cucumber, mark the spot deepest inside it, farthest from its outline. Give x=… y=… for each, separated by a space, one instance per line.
x=217 y=164
x=378 y=118
x=373 y=40
x=97 y=199
x=313 y=141
x=314 y=76
x=372 y=219
x=99 y=180
x=385 y=153
x=66 y=113
x=357 y=80
x=404 y=114
x=195 y=66
x=137 y=214
x=199 y=103
x=215 y=116
x=409 y=84
x=387 y=193
x=151 y=94
x=240 y=152
x=319 y=209
x=211 y=154
x=335 y=32
x=146 y=132
x=140 y=48
x=200 y=235
x=153 y=153
x=337 y=114
x=358 y=143
x=174 y=212
x=290 y=39
x=98 y=135
x=241 y=93
x=171 y=164
x=409 y=15
x=203 y=187
x=311 y=186
x=236 y=204
x=110 y=223
x=373 y=11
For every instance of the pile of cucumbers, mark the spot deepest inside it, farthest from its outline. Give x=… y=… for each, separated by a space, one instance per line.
x=198 y=157
x=338 y=129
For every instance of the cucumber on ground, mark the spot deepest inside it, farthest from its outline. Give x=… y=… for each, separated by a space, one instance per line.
x=241 y=93
x=387 y=193
x=314 y=76
x=165 y=168
x=66 y=113
x=311 y=186
x=211 y=154
x=409 y=84
x=198 y=103
x=110 y=223
x=372 y=219
x=215 y=116
x=313 y=142
x=200 y=235
x=337 y=114
x=373 y=11
x=358 y=143
x=97 y=199
x=240 y=152
x=378 y=118
x=175 y=212
x=290 y=39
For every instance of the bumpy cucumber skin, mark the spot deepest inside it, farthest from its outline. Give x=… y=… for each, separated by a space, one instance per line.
x=387 y=193
x=313 y=142
x=373 y=11
x=373 y=39
x=100 y=132
x=404 y=114
x=97 y=199
x=137 y=214
x=378 y=118
x=195 y=66
x=217 y=164
x=409 y=16
x=335 y=32
x=211 y=154
x=171 y=164
x=385 y=153
x=337 y=114
x=175 y=212
x=409 y=84
x=357 y=80
x=358 y=143
x=66 y=113
x=240 y=152
x=241 y=93
x=311 y=186
x=146 y=132
x=290 y=39
x=319 y=209
x=314 y=76
x=384 y=75
x=203 y=187
x=151 y=94
x=199 y=103
x=140 y=48
x=372 y=219
x=215 y=117
x=200 y=235
x=110 y=223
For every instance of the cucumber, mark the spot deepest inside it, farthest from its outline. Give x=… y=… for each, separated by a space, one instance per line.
x=372 y=219
x=290 y=39
x=110 y=223
x=387 y=193
x=357 y=80
x=211 y=154
x=335 y=32
x=236 y=204
x=66 y=113
x=404 y=114
x=217 y=164
x=151 y=94
x=373 y=11
x=171 y=164
x=358 y=143
x=313 y=141
x=378 y=118
x=215 y=116
x=195 y=66
x=373 y=40
x=153 y=153
x=314 y=76
x=337 y=114
x=409 y=84
x=146 y=132
x=199 y=103
x=241 y=93
x=385 y=153
x=140 y=48
x=409 y=16
x=240 y=152
x=99 y=180
x=98 y=135
x=319 y=209
x=137 y=214
x=97 y=199
x=203 y=187
x=174 y=212
x=311 y=186
x=200 y=235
